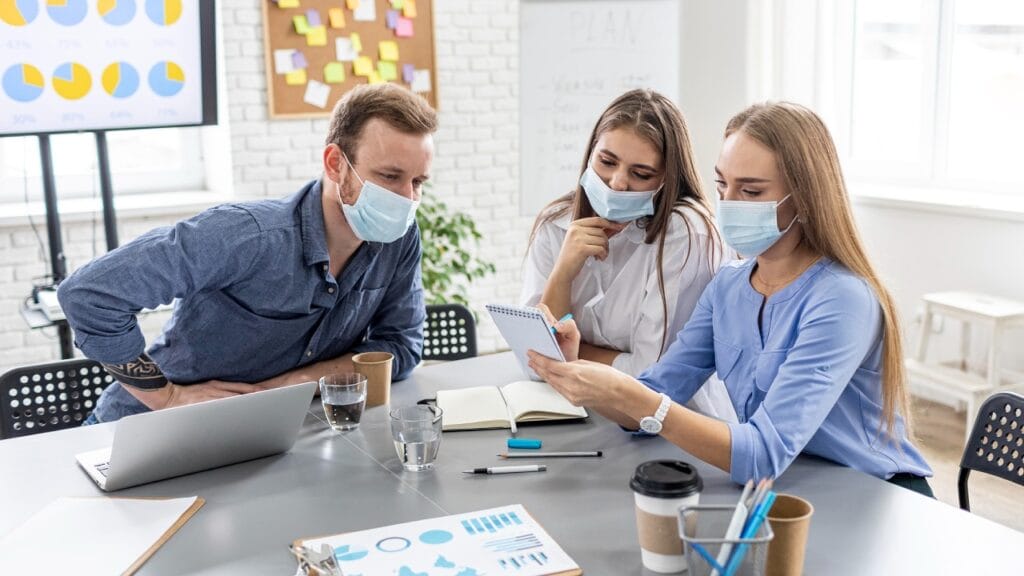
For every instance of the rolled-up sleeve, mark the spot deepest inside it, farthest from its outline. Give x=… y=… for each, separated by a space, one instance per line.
x=397 y=325
x=101 y=299
x=835 y=336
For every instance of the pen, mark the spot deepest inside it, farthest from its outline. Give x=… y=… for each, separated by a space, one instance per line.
x=562 y=319
x=507 y=469
x=595 y=454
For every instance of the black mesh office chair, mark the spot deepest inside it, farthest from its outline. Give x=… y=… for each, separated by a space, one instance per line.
x=449 y=333
x=996 y=445
x=49 y=396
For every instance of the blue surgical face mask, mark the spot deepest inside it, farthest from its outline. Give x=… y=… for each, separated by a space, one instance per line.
x=379 y=215
x=612 y=204
x=750 y=227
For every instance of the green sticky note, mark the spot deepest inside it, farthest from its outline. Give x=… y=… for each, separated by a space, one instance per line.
x=334 y=73
x=301 y=24
x=388 y=71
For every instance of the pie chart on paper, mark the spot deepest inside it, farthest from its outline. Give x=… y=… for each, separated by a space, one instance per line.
x=71 y=80
x=66 y=12
x=163 y=12
x=19 y=12
x=120 y=80
x=166 y=79
x=23 y=82
x=116 y=12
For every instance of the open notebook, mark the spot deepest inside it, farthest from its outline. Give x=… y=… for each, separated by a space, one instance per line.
x=491 y=407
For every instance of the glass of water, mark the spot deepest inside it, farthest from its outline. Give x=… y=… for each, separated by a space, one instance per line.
x=416 y=431
x=343 y=397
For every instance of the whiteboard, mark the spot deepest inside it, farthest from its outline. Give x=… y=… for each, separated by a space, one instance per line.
x=575 y=57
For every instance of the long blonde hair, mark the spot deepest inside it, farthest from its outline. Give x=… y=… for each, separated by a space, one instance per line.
x=656 y=119
x=807 y=159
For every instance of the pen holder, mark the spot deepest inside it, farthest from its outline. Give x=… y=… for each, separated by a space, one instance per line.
x=703 y=528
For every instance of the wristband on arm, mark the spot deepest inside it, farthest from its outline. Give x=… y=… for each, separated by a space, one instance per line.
x=141 y=373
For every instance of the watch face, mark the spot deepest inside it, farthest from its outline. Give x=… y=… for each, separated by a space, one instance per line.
x=650 y=425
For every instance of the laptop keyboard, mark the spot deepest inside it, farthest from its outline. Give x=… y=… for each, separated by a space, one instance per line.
x=102 y=468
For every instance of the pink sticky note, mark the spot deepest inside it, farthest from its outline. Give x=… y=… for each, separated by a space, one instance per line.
x=404 y=28
x=408 y=73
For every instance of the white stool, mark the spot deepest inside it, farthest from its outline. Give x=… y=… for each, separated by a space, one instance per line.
x=953 y=380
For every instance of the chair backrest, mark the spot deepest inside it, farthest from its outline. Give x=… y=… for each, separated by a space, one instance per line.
x=49 y=396
x=449 y=333
x=996 y=445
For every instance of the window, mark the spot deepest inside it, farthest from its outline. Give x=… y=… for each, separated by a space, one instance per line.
x=936 y=94
x=141 y=161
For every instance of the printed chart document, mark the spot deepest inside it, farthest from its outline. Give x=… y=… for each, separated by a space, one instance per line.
x=505 y=540
x=94 y=535
x=484 y=407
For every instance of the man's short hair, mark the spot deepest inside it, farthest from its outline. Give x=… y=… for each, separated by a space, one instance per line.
x=401 y=109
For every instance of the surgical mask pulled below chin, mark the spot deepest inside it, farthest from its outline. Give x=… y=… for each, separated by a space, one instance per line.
x=612 y=204
x=750 y=227
x=379 y=215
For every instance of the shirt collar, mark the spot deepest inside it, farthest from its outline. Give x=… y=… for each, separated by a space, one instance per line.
x=311 y=213
x=790 y=289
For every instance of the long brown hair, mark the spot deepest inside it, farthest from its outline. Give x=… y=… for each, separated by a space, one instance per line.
x=656 y=119
x=807 y=159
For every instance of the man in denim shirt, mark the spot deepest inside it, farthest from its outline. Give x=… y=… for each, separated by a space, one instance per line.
x=274 y=292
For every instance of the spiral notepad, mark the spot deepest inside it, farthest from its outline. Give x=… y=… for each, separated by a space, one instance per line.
x=524 y=329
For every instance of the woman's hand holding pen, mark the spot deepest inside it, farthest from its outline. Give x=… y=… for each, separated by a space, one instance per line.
x=566 y=334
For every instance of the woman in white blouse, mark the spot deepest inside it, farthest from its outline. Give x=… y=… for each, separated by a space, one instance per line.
x=630 y=250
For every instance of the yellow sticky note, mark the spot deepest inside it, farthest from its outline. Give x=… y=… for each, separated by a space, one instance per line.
x=375 y=78
x=389 y=51
x=409 y=10
x=357 y=44
x=337 y=17
x=291 y=4
x=295 y=77
x=363 y=66
x=334 y=73
x=317 y=36
x=301 y=24
x=387 y=70
x=353 y=4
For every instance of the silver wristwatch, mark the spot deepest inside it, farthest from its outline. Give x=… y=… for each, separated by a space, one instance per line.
x=652 y=424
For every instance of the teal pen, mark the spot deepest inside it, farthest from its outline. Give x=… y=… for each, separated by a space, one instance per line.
x=562 y=319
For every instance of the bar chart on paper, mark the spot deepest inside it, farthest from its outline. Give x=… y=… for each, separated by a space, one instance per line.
x=505 y=540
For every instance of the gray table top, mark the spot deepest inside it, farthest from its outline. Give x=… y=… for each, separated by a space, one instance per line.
x=331 y=483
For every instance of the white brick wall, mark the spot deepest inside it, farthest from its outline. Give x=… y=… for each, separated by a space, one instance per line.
x=475 y=168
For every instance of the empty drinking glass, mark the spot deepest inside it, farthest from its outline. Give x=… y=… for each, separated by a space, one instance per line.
x=343 y=397
x=416 y=431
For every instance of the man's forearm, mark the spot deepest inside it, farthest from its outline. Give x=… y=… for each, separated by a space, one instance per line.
x=311 y=372
x=143 y=379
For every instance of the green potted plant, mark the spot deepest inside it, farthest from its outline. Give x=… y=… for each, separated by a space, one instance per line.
x=449 y=264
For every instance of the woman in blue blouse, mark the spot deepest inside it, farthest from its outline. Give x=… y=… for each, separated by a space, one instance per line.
x=802 y=332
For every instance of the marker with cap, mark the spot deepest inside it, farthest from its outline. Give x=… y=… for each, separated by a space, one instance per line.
x=577 y=454
x=507 y=469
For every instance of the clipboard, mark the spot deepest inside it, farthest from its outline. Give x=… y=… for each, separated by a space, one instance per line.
x=525 y=328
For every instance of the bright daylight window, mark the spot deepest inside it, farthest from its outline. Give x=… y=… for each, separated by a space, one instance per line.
x=938 y=93
x=141 y=161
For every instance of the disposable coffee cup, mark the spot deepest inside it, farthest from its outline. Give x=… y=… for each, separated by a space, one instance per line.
x=376 y=366
x=790 y=518
x=660 y=487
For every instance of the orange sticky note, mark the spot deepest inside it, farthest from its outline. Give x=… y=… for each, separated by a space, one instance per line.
x=363 y=66
x=352 y=4
x=388 y=50
x=317 y=36
x=409 y=9
x=295 y=77
x=337 y=17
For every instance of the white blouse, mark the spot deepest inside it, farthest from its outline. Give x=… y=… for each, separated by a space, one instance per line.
x=617 y=303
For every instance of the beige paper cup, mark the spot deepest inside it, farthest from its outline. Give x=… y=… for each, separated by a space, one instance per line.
x=790 y=518
x=376 y=366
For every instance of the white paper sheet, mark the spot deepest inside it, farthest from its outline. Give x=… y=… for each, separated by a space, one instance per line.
x=366 y=12
x=344 y=51
x=317 y=94
x=90 y=535
x=283 y=62
x=421 y=81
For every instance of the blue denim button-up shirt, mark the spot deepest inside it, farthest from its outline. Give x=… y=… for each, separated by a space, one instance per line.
x=255 y=297
x=807 y=379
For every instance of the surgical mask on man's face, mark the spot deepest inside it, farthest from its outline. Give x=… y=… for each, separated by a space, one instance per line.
x=612 y=204
x=379 y=215
x=751 y=227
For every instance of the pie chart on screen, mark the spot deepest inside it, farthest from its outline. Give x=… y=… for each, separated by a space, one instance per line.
x=163 y=12
x=66 y=12
x=23 y=82
x=120 y=80
x=166 y=79
x=116 y=12
x=71 y=80
x=18 y=12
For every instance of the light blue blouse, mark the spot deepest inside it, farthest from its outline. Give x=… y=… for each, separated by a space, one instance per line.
x=807 y=379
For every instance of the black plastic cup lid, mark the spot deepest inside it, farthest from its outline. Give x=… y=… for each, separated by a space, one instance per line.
x=666 y=479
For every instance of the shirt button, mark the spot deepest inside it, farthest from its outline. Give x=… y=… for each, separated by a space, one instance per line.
x=330 y=290
x=309 y=352
x=325 y=267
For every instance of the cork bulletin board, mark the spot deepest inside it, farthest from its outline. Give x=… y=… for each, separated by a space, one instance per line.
x=316 y=50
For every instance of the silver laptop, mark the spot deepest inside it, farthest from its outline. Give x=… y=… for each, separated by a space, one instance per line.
x=176 y=441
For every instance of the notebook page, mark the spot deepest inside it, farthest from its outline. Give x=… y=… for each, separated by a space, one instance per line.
x=526 y=396
x=469 y=408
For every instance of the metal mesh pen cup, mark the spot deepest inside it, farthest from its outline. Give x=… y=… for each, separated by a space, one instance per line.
x=702 y=529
